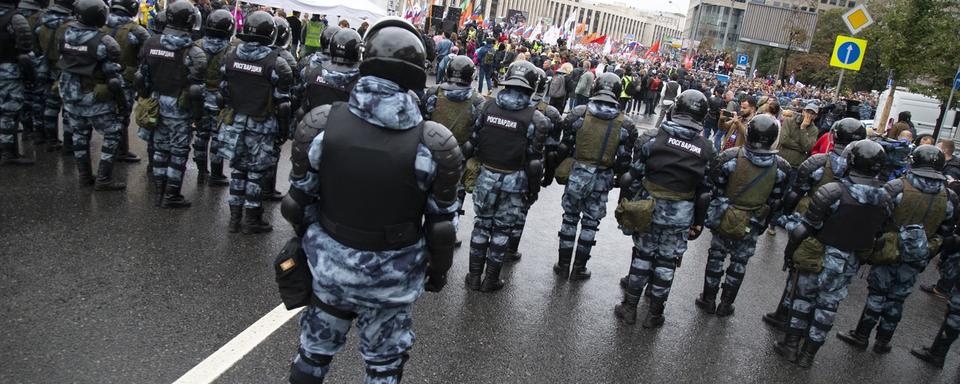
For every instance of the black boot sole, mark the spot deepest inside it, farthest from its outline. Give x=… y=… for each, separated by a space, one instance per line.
x=472 y=283
x=707 y=306
x=725 y=311
x=924 y=355
x=853 y=341
x=625 y=315
x=562 y=271
x=773 y=321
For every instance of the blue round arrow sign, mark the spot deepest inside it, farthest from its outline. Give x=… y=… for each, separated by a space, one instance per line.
x=848 y=53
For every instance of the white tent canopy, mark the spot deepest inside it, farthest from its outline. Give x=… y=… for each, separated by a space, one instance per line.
x=353 y=10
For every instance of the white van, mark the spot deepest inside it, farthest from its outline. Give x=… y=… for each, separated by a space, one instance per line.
x=924 y=110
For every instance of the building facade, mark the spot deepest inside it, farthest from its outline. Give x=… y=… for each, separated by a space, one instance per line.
x=712 y=22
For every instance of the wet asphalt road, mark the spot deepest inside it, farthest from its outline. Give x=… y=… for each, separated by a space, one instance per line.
x=105 y=288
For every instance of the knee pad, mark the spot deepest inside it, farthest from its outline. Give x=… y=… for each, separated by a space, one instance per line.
x=393 y=372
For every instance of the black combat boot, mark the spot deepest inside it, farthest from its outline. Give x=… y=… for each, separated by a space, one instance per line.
x=85 y=171
x=105 y=180
x=236 y=215
x=128 y=157
x=859 y=337
x=491 y=278
x=725 y=308
x=217 y=178
x=789 y=346
x=937 y=352
x=882 y=345
x=655 y=317
x=708 y=299
x=513 y=255
x=253 y=222
x=173 y=199
x=779 y=318
x=807 y=352
x=10 y=156
x=67 y=148
x=562 y=267
x=475 y=272
x=627 y=309
x=579 y=270
x=624 y=281
x=202 y=173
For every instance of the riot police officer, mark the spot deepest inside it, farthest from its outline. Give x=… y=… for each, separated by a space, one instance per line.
x=256 y=87
x=815 y=172
x=843 y=220
x=455 y=105
x=508 y=141
x=31 y=116
x=91 y=86
x=281 y=44
x=936 y=353
x=16 y=69
x=749 y=183
x=923 y=217
x=172 y=71
x=600 y=140
x=122 y=26
x=53 y=24
x=378 y=240
x=217 y=31
x=668 y=177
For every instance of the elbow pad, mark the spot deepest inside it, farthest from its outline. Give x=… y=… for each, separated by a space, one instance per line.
x=141 y=84
x=26 y=67
x=441 y=239
x=195 y=94
x=700 y=208
x=467 y=149
x=790 y=202
x=292 y=208
x=283 y=119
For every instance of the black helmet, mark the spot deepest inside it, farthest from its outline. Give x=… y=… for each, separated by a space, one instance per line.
x=220 y=24
x=928 y=161
x=181 y=16
x=159 y=23
x=762 y=132
x=345 y=50
x=128 y=8
x=848 y=130
x=91 y=13
x=35 y=5
x=689 y=109
x=865 y=158
x=521 y=74
x=283 y=32
x=394 y=50
x=259 y=27
x=325 y=37
x=541 y=83
x=460 y=71
x=607 y=88
x=62 y=6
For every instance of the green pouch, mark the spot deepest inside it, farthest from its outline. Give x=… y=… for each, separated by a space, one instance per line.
x=101 y=93
x=809 y=256
x=562 y=173
x=888 y=255
x=470 y=173
x=734 y=223
x=226 y=116
x=636 y=216
x=146 y=112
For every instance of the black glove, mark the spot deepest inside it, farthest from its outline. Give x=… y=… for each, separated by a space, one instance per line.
x=694 y=232
x=435 y=281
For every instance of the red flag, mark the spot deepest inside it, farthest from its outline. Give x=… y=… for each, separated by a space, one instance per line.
x=653 y=49
x=467 y=13
x=599 y=40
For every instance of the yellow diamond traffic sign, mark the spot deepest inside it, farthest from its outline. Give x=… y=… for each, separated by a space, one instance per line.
x=857 y=18
x=848 y=53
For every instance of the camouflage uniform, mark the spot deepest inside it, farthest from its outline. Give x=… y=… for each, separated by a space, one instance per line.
x=374 y=288
x=135 y=36
x=739 y=250
x=84 y=110
x=248 y=143
x=209 y=126
x=589 y=183
x=11 y=79
x=171 y=137
x=50 y=32
x=890 y=285
x=31 y=117
x=499 y=198
x=550 y=146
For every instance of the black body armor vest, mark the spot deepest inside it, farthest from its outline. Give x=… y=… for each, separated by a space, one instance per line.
x=168 y=74
x=503 y=137
x=319 y=92
x=677 y=164
x=250 y=87
x=81 y=59
x=853 y=226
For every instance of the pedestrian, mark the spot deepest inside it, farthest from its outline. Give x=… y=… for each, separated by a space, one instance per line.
x=599 y=138
x=750 y=182
x=797 y=138
x=218 y=30
x=172 y=70
x=626 y=90
x=255 y=84
x=130 y=36
x=667 y=176
x=363 y=28
x=16 y=69
x=903 y=124
x=736 y=127
x=844 y=216
x=923 y=216
x=486 y=59
x=584 y=85
x=89 y=61
x=369 y=252
x=712 y=120
x=310 y=35
x=507 y=141
x=296 y=28
x=557 y=88
x=936 y=353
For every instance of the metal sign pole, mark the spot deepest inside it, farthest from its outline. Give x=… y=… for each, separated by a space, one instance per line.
x=839 y=81
x=953 y=90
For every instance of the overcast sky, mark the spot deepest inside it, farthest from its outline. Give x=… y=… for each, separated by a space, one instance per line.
x=678 y=6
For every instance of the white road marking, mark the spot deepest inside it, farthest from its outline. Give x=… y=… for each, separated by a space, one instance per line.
x=230 y=353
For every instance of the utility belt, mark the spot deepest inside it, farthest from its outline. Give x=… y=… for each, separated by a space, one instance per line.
x=637 y=215
x=391 y=237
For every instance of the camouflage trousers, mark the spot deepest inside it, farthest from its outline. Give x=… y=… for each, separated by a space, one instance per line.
x=953 y=311
x=52 y=104
x=586 y=208
x=253 y=155
x=31 y=116
x=11 y=103
x=497 y=213
x=655 y=257
x=83 y=127
x=171 y=146
x=517 y=233
x=888 y=287
x=205 y=144
x=819 y=295
x=949 y=266
x=385 y=337
x=739 y=250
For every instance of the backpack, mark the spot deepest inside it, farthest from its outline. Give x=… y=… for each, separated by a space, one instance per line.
x=557 y=86
x=574 y=78
x=488 y=58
